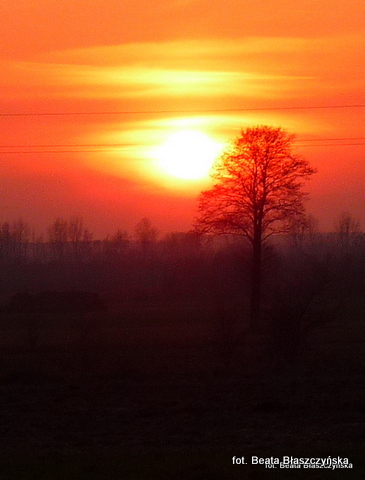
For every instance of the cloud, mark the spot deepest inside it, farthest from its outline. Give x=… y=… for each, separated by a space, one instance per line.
x=150 y=70
x=253 y=67
x=139 y=82
x=199 y=53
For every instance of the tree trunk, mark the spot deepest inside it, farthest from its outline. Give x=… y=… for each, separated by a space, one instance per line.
x=256 y=280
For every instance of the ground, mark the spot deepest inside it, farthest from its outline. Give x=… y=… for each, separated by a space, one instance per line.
x=129 y=409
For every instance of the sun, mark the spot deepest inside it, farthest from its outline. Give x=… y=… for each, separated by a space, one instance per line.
x=188 y=154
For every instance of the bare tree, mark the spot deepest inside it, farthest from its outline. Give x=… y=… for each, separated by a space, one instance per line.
x=146 y=235
x=21 y=237
x=302 y=229
x=78 y=236
x=58 y=231
x=14 y=239
x=256 y=190
x=346 y=228
x=116 y=245
x=75 y=230
x=58 y=237
x=120 y=240
x=69 y=237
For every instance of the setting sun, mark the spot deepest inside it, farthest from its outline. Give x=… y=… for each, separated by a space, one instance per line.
x=187 y=154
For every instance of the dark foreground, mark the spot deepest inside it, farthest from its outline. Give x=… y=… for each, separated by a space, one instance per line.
x=144 y=410
x=183 y=428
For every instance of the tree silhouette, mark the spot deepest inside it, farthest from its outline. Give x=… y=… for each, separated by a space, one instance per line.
x=256 y=190
x=146 y=234
x=14 y=239
x=63 y=234
x=346 y=228
x=303 y=229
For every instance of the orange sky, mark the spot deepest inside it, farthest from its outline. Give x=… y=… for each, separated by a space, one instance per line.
x=93 y=56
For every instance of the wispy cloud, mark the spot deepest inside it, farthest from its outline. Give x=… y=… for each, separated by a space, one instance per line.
x=138 y=81
x=170 y=69
x=256 y=67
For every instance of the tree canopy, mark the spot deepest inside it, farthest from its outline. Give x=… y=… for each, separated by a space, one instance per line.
x=257 y=183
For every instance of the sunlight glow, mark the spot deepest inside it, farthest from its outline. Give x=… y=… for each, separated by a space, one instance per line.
x=188 y=154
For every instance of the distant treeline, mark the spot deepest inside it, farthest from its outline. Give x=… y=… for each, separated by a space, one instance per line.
x=147 y=265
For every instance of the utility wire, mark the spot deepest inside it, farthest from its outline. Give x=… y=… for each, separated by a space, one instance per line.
x=78 y=145
x=104 y=150
x=53 y=151
x=131 y=145
x=145 y=112
x=109 y=147
x=329 y=139
x=333 y=145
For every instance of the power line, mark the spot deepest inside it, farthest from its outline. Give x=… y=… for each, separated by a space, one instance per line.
x=158 y=112
x=29 y=152
x=338 y=139
x=76 y=145
x=126 y=145
x=77 y=148
x=334 y=145
x=53 y=151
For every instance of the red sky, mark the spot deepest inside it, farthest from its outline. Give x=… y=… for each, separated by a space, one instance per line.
x=92 y=56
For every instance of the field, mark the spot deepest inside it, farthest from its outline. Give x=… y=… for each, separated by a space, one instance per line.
x=148 y=391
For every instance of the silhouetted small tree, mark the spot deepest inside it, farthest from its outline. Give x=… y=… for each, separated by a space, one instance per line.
x=256 y=190
x=346 y=228
x=116 y=245
x=302 y=229
x=69 y=236
x=75 y=234
x=14 y=240
x=58 y=236
x=146 y=234
x=120 y=241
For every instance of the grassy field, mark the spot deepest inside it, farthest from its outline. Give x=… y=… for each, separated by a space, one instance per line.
x=148 y=392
